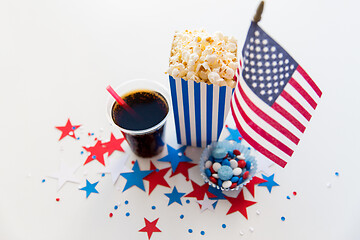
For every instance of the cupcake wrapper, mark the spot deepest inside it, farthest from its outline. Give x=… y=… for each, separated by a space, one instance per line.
x=200 y=110
x=229 y=145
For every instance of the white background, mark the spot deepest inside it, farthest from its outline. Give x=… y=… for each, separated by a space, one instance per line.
x=57 y=57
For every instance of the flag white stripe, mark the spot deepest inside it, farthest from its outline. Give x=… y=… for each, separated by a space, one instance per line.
x=263 y=124
x=297 y=76
x=259 y=139
x=267 y=109
x=297 y=96
x=292 y=110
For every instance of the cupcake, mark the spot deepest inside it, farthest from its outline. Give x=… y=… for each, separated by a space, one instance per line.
x=227 y=165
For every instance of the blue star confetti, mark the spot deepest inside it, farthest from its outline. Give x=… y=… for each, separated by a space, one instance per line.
x=174 y=196
x=234 y=135
x=175 y=156
x=89 y=188
x=218 y=193
x=135 y=178
x=270 y=182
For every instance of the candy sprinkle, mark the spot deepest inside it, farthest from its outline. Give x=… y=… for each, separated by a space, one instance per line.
x=282 y=218
x=127 y=214
x=57 y=199
x=103 y=174
x=153 y=207
x=202 y=233
x=294 y=193
x=288 y=197
x=181 y=216
x=223 y=226
x=110 y=214
x=43 y=180
x=337 y=174
x=190 y=230
x=188 y=201
x=126 y=202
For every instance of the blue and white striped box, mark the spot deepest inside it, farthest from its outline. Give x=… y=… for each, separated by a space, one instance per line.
x=199 y=111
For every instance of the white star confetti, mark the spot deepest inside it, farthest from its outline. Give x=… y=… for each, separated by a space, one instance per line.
x=206 y=203
x=116 y=164
x=65 y=174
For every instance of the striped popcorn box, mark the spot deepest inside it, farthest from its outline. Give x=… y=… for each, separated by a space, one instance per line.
x=200 y=110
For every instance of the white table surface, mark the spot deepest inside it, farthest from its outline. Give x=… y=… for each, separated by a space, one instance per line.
x=57 y=57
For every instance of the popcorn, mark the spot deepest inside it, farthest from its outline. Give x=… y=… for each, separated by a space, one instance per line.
x=201 y=57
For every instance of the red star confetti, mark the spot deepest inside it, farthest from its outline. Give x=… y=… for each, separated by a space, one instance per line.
x=239 y=204
x=113 y=144
x=251 y=185
x=156 y=177
x=68 y=130
x=150 y=227
x=200 y=191
x=183 y=168
x=96 y=152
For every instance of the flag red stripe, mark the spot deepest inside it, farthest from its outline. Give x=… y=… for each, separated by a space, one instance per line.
x=309 y=80
x=261 y=131
x=256 y=145
x=267 y=118
x=296 y=105
x=288 y=116
x=303 y=93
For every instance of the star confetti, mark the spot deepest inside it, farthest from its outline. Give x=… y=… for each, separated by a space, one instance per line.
x=150 y=227
x=65 y=174
x=89 y=188
x=96 y=152
x=113 y=145
x=135 y=178
x=217 y=192
x=174 y=196
x=263 y=163
x=270 y=183
x=115 y=166
x=175 y=157
x=68 y=130
x=200 y=191
x=156 y=177
x=183 y=168
x=206 y=203
x=234 y=135
x=251 y=185
x=239 y=204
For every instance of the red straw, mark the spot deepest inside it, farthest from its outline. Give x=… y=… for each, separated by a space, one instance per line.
x=121 y=101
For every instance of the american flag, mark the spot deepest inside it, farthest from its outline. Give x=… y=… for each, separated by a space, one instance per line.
x=274 y=97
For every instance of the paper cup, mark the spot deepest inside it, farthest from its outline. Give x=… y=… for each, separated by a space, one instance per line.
x=230 y=146
x=199 y=110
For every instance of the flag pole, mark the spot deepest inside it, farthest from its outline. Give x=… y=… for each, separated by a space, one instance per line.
x=259 y=11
